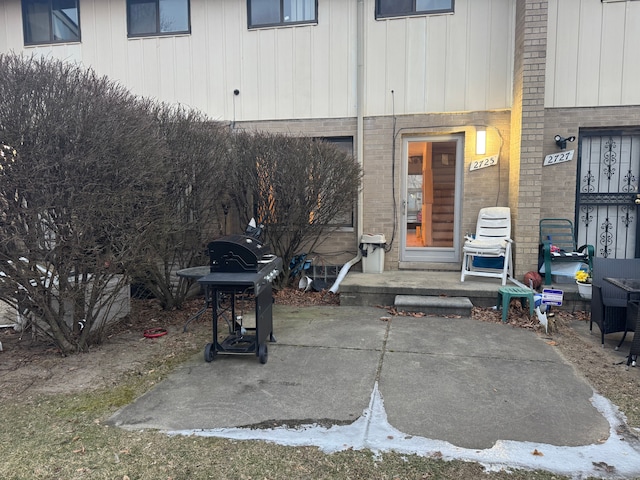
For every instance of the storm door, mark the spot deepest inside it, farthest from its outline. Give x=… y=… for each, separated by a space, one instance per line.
x=608 y=200
x=432 y=173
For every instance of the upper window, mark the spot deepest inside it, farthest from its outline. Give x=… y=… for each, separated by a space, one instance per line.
x=157 y=17
x=50 y=21
x=398 y=8
x=281 y=12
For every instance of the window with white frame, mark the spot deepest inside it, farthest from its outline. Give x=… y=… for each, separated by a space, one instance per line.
x=281 y=12
x=50 y=21
x=157 y=17
x=399 y=8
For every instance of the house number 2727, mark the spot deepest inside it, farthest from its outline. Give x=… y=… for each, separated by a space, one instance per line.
x=558 y=158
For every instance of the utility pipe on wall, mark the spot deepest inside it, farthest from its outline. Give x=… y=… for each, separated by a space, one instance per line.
x=359 y=139
x=360 y=111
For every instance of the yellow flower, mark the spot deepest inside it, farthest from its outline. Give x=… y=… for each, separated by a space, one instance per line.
x=582 y=276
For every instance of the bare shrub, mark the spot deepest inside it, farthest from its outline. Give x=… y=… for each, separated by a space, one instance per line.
x=78 y=198
x=297 y=187
x=98 y=186
x=191 y=206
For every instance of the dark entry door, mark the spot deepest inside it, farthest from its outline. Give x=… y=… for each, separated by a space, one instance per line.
x=608 y=200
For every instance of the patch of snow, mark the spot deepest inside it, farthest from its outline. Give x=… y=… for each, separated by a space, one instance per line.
x=614 y=458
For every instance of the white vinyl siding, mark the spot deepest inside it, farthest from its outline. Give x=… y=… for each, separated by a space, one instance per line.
x=442 y=63
x=592 y=53
x=433 y=63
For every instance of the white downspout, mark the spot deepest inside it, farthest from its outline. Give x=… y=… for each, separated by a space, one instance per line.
x=359 y=140
x=360 y=112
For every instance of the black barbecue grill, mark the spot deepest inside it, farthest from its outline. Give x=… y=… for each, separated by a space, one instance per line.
x=241 y=270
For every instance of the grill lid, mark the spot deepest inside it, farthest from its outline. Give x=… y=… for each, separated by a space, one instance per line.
x=238 y=253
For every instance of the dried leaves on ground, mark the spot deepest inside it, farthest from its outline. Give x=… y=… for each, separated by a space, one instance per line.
x=301 y=298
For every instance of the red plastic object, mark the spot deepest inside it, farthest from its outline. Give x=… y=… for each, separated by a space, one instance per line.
x=155 y=332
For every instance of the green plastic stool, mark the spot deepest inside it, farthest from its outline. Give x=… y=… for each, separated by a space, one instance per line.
x=505 y=294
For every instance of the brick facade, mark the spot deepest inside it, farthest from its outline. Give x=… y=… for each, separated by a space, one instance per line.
x=559 y=181
x=521 y=136
x=528 y=129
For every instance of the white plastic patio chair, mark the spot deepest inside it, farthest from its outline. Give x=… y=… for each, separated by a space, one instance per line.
x=491 y=242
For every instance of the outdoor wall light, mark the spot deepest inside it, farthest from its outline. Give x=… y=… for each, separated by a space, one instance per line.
x=561 y=142
x=481 y=142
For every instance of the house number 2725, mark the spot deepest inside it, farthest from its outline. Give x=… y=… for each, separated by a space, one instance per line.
x=483 y=163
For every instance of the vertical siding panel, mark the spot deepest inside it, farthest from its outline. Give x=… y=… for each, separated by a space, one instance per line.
x=235 y=33
x=266 y=74
x=478 y=68
x=233 y=26
x=436 y=58
x=631 y=58
x=341 y=61
x=151 y=78
x=320 y=64
x=284 y=72
x=197 y=54
x=301 y=89
x=116 y=29
x=251 y=77
x=182 y=72
x=395 y=69
x=456 y=60
x=375 y=56
x=166 y=66
x=135 y=68
x=96 y=36
x=416 y=66
x=214 y=59
x=612 y=54
x=588 y=53
x=4 y=24
x=500 y=67
x=11 y=37
x=566 y=66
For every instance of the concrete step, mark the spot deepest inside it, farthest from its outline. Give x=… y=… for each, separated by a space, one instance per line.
x=380 y=289
x=437 y=305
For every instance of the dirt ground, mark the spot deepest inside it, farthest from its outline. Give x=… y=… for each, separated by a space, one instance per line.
x=29 y=367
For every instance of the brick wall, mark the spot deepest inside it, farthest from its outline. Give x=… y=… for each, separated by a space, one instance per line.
x=528 y=118
x=383 y=161
x=560 y=181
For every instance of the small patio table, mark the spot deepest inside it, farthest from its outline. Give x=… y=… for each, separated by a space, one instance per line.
x=629 y=285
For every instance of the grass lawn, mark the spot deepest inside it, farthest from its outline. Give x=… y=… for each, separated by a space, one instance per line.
x=64 y=437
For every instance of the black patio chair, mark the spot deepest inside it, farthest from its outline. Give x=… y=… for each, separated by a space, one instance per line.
x=609 y=303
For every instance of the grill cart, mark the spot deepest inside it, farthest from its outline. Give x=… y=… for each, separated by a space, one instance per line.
x=239 y=288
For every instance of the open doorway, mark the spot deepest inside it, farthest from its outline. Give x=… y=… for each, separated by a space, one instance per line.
x=431 y=201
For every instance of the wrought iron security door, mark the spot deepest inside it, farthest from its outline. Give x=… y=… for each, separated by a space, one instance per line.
x=608 y=200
